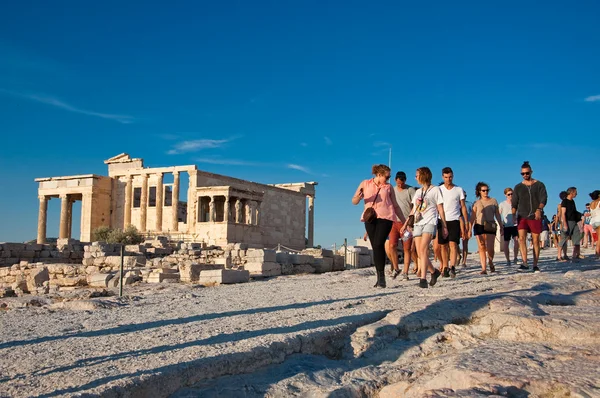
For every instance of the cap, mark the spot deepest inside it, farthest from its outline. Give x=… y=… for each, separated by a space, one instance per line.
x=401 y=176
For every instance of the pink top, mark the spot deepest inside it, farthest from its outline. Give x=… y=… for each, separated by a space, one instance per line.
x=384 y=204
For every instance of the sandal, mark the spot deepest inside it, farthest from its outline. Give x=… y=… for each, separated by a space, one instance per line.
x=484 y=272
x=492 y=268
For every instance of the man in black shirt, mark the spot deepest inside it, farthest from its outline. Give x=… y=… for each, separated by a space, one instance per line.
x=570 y=218
x=528 y=201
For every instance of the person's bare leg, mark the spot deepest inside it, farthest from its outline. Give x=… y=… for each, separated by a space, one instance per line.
x=453 y=254
x=482 y=251
x=523 y=245
x=489 y=243
x=516 y=248
x=407 y=246
x=444 y=255
x=507 y=251
x=598 y=243
x=465 y=249
x=428 y=265
x=421 y=270
x=392 y=253
x=535 y=238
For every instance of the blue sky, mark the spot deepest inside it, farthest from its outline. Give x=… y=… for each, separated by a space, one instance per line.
x=288 y=91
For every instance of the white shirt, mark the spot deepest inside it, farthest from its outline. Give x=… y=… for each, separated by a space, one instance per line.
x=506 y=213
x=452 y=198
x=426 y=203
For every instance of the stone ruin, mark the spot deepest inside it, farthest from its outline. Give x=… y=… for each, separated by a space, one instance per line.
x=42 y=269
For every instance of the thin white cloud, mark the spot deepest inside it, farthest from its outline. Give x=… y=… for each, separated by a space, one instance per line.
x=53 y=101
x=196 y=145
x=298 y=167
x=328 y=140
x=381 y=143
x=592 y=98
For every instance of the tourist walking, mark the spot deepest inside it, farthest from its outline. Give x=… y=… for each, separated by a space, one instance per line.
x=428 y=205
x=404 y=194
x=554 y=231
x=510 y=227
x=559 y=254
x=485 y=210
x=381 y=210
x=466 y=227
x=595 y=221
x=528 y=201
x=588 y=230
x=454 y=207
x=570 y=218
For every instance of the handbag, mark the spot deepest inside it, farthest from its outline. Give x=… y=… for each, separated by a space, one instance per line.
x=370 y=215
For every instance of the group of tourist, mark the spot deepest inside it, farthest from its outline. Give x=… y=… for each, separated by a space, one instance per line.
x=441 y=214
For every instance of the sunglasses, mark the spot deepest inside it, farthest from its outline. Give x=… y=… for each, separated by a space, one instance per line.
x=509 y=194
x=483 y=190
x=526 y=173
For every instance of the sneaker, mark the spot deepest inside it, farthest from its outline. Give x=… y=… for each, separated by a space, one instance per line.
x=492 y=268
x=484 y=272
x=522 y=268
x=446 y=273
x=536 y=270
x=434 y=277
x=508 y=263
x=395 y=274
x=404 y=277
x=453 y=272
x=423 y=283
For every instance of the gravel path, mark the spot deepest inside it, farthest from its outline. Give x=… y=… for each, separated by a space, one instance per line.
x=173 y=339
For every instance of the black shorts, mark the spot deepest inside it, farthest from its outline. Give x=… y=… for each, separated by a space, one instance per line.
x=510 y=233
x=453 y=232
x=478 y=230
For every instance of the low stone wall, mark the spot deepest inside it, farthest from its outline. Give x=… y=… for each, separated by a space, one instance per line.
x=65 y=251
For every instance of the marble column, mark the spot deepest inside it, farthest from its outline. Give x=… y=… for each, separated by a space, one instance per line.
x=159 y=202
x=64 y=216
x=226 y=209
x=144 y=203
x=70 y=218
x=42 y=219
x=128 y=199
x=311 y=221
x=238 y=211
x=192 y=206
x=212 y=216
x=175 y=202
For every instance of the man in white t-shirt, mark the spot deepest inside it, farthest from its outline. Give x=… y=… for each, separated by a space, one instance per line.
x=454 y=206
x=510 y=226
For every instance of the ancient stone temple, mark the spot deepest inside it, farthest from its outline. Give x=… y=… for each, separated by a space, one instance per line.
x=218 y=209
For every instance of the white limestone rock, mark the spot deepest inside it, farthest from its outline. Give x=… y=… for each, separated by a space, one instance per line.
x=258 y=269
x=265 y=255
x=99 y=280
x=224 y=276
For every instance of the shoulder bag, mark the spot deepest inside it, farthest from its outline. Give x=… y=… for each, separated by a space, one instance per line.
x=370 y=215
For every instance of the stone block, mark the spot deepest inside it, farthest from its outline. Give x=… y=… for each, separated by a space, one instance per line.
x=358 y=249
x=224 y=276
x=364 y=261
x=338 y=263
x=303 y=269
x=224 y=261
x=264 y=255
x=318 y=252
x=283 y=258
x=44 y=254
x=301 y=259
x=165 y=271
x=70 y=281
x=16 y=247
x=23 y=264
x=287 y=269
x=98 y=280
x=4 y=253
x=88 y=262
x=240 y=246
x=33 y=247
x=135 y=248
x=36 y=278
x=323 y=264
x=89 y=270
x=27 y=254
x=160 y=277
x=263 y=268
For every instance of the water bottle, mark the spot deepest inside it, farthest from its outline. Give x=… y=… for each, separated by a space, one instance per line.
x=406 y=236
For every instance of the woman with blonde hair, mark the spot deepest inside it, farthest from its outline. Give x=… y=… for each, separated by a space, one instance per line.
x=427 y=205
x=484 y=227
x=381 y=210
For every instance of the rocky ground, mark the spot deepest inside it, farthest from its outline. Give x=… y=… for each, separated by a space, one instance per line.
x=329 y=335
